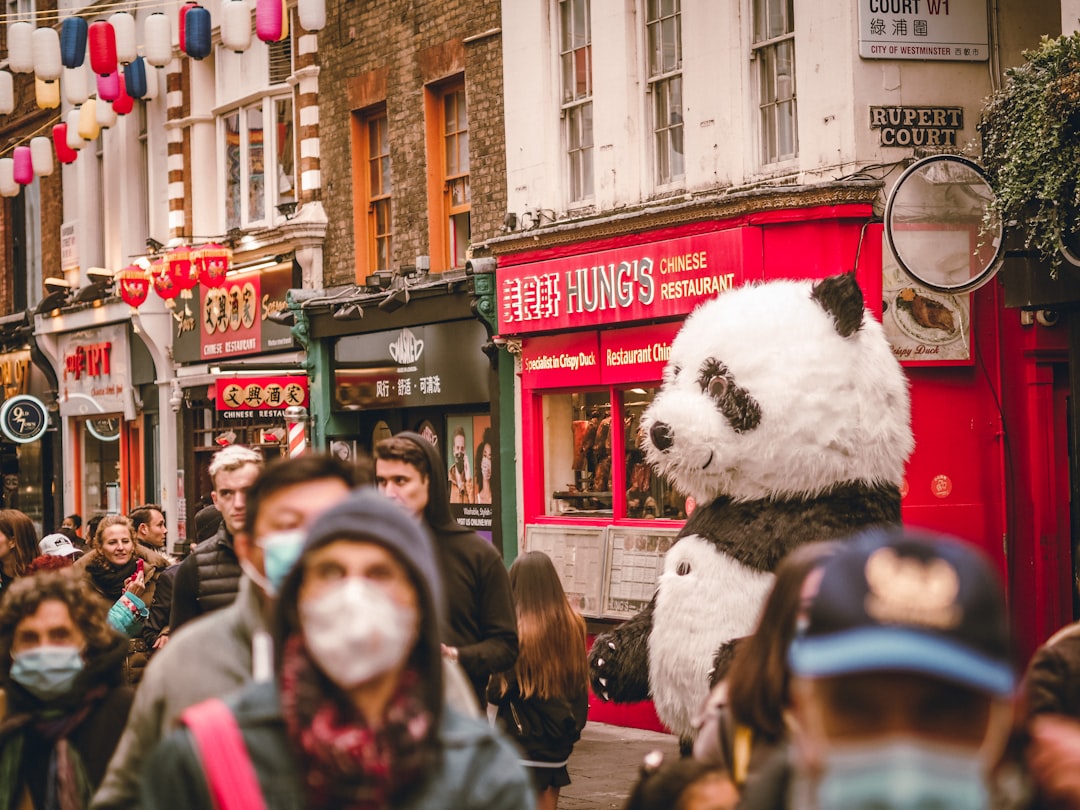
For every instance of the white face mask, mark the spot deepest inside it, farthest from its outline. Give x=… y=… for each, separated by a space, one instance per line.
x=355 y=631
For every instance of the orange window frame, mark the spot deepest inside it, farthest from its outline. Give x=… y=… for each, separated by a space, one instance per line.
x=439 y=175
x=132 y=463
x=365 y=228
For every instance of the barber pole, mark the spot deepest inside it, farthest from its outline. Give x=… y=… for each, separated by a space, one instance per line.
x=296 y=417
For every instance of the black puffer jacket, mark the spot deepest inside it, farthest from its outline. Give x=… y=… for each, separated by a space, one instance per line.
x=544 y=729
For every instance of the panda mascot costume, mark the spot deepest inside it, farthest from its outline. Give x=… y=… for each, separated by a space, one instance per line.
x=784 y=414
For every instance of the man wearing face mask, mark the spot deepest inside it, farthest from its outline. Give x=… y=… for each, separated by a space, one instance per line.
x=217 y=653
x=355 y=716
x=62 y=665
x=902 y=681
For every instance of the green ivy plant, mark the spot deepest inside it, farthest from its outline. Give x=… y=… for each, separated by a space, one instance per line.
x=1031 y=146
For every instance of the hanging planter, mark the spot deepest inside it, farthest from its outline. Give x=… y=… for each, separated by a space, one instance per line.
x=312 y=14
x=76 y=85
x=135 y=78
x=47 y=64
x=22 y=166
x=73 y=42
x=134 y=285
x=213 y=264
x=236 y=25
x=41 y=156
x=64 y=153
x=46 y=94
x=20 y=45
x=124 y=27
x=102 y=48
x=197 y=32
x=1031 y=147
x=157 y=40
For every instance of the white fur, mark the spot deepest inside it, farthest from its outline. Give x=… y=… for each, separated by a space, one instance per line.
x=834 y=409
x=695 y=614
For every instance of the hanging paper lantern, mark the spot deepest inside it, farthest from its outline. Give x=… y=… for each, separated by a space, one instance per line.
x=47 y=64
x=197 y=32
x=181 y=269
x=105 y=114
x=123 y=104
x=213 y=264
x=8 y=186
x=102 y=48
x=20 y=44
x=312 y=14
x=89 y=128
x=134 y=285
x=73 y=42
x=182 y=21
x=22 y=165
x=41 y=156
x=64 y=153
x=154 y=80
x=164 y=285
x=76 y=84
x=236 y=25
x=108 y=86
x=284 y=21
x=124 y=27
x=74 y=121
x=47 y=94
x=268 y=20
x=7 y=92
x=135 y=78
x=157 y=40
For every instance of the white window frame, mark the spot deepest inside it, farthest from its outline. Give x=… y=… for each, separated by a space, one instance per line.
x=21 y=11
x=578 y=143
x=765 y=47
x=661 y=79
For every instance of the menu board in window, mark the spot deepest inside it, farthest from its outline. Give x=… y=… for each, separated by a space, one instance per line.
x=578 y=555
x=635 y=562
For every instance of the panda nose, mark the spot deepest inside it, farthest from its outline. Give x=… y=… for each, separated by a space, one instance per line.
x=660 y=433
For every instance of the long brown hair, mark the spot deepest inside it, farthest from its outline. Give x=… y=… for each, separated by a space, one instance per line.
x=552 y=660
x=18 y=527
x=759 y=676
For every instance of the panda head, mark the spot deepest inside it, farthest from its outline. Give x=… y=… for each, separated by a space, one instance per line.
x=780 y=390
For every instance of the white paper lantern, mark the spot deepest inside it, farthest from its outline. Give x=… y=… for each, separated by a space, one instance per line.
x=312 y=14
x=20 y=47
x=47 y=94
x=8 y=186
x=41 y=155
x=157 y=40
x=47 y=64
x=105 y=114
x=154 y=80
x=89 y=128
x=124 y=26
x=236 y=25
x=74 y=139
x=75 y=83
x=7 y=92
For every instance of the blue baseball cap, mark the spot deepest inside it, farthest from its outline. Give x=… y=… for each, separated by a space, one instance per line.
x=908 y=601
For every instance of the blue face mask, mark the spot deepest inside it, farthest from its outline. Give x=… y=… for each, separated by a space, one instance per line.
x=47 y=672
x=280 y=551
x=902 y=774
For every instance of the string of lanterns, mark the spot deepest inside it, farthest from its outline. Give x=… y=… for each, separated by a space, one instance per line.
x=175 y=274
x=120 y=75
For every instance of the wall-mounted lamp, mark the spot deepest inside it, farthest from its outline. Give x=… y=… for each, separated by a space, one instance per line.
x=348 y=312
x=510 y=222
x=153 y=245
x=57 y=295
x=287 y=209
x=284 y=317
x=395 y=300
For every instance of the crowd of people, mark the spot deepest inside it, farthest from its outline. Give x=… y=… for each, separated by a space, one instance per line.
x=335 y=639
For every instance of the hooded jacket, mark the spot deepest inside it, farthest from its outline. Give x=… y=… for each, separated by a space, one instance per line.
x=471 y=765
x=480 y=619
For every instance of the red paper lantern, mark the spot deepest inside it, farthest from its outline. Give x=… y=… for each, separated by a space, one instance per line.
x=64 y=153
x=123 y=103
x=212 y=264
x=102 y=48
x=164 y=284
x=181 y=269
x=184 y=9
x=134 y=285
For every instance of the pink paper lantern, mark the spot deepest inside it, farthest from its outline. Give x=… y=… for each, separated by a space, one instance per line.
x=269 y=20
x=108 y=86
x=24 y=165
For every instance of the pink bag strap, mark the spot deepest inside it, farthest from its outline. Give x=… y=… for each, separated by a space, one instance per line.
x=225 y=760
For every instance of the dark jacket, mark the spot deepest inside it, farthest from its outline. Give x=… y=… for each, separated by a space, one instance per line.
x=1052 y=682
x=544 y=729
x=207 y=580
x=480 y=620
x=157 y=623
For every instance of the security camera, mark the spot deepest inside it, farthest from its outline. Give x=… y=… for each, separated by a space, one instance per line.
x=486 y=264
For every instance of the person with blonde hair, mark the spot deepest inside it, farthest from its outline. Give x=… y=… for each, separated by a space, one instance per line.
x=543 y=701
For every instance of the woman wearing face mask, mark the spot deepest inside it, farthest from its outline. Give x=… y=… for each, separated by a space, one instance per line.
x=484 y=467
x=66 y=703
x=355 y=716
x=18 y=546
x=125 y=573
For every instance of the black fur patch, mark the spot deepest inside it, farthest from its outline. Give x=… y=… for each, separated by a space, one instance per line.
x=760 y=533
x=841 y=297
x=735 y=403
x=626 y=664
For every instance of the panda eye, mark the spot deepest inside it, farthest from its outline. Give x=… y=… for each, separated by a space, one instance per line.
x=718 y=387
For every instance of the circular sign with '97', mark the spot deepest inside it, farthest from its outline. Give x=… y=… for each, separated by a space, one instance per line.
x=23 y=419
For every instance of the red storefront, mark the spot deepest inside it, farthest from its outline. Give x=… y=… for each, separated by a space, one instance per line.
x=595 y=320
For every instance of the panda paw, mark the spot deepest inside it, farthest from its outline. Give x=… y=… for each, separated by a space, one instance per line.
x=618 y=671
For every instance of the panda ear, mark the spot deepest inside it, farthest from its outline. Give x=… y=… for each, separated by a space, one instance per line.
x=841 y=297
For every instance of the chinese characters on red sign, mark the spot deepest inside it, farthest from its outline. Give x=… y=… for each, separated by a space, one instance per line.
x=261 y=393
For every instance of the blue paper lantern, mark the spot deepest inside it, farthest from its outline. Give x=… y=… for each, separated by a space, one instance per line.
x=73 y=41
x=197 y=32
x=135 y=78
